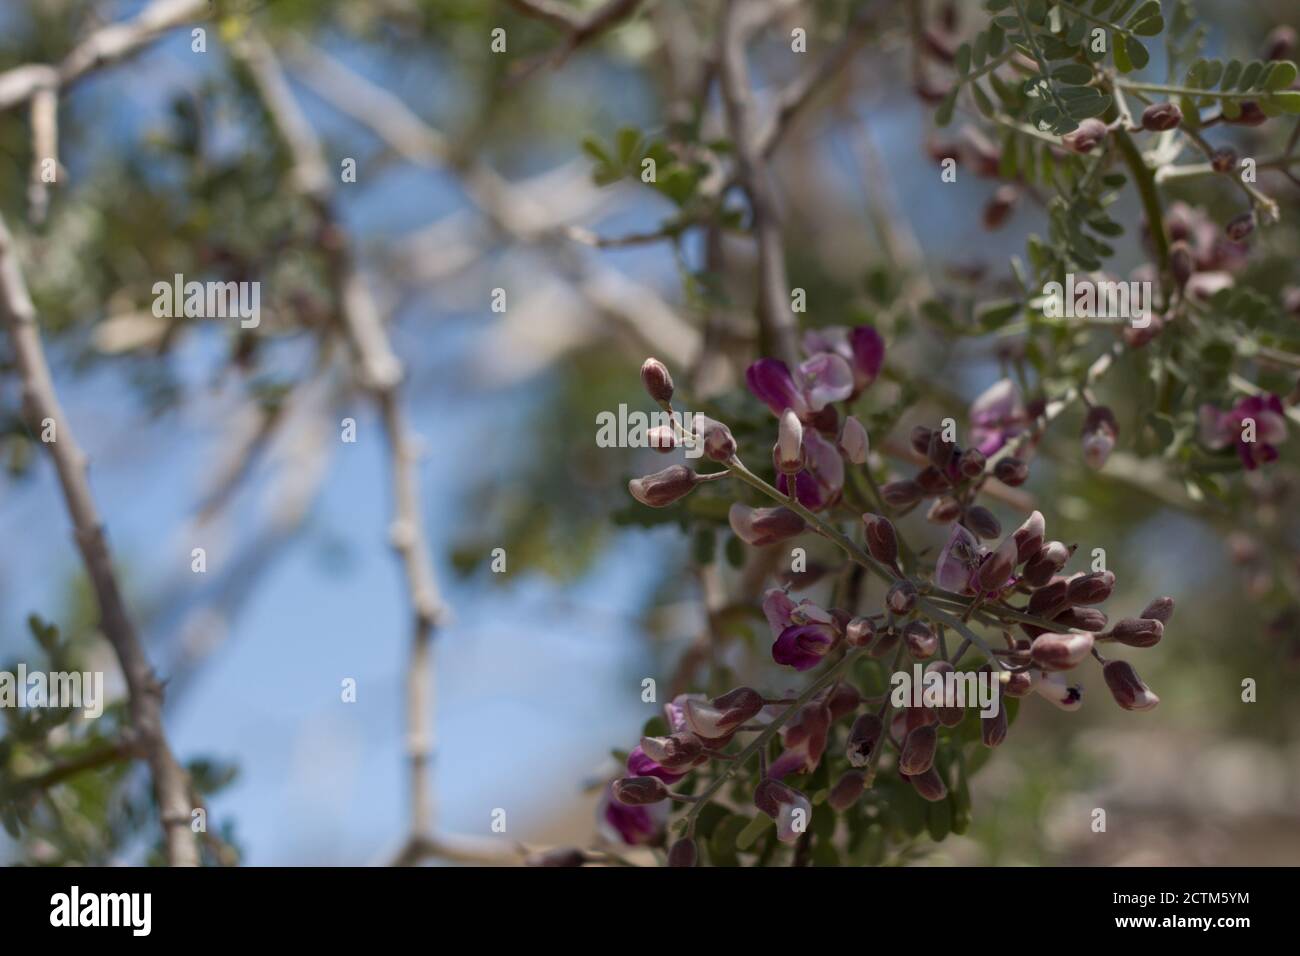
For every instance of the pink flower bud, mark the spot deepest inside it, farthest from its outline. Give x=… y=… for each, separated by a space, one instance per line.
x=944 y=511
x=675 y=752
x=1181 y=262
x=846 y=791
x=932 y=481
x=940 y=451
x=658 y=383
x=1082 y=619
x=719 y=443
x=1127 y=688
x=1137 y=632
x=1029 y=537
x=1018 y=684
x=993 y=730
x=1099 y=433
x=920 y=439
x=683 y=853
x=1049 y=599
x=639 y=791
x=1012 y=472
x=996 y=568
x=843 y=700
x=1161 y=609
x=882 y=540
x=663 y=487
x=863 y=738
x=854 y=441
x=901 y=597
x=860 y=632
x=982 y=521
x=929 y=785
x=662 y=438
x=764 y=526
x=787 y=806
x=949 y=716
x=738 y=705
x=1159 y=117
x=1050 y=558
x=1090 y=588
x=789 y=443
x=972 y=462
x=921 y=640
x=901 y=493
x=918 y=751
x=1239 y=227
x=886 y=641
x=1088 y=134
x=1060 y=652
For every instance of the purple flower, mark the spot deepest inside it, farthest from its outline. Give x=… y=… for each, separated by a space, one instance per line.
x=816 y=383
x=1255 y=425
x=675 y=712
x=635 y=826
x=640 y=765
x=802 y=646
x=997 y=416
x=804 y=739
x=861 y=346
x=819 y=485
x=958 y=561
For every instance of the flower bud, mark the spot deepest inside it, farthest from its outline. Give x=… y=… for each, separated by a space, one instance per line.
x=789 y=443
x=1019 y=684
x=843 y=700
x=1181 y=262
x=719 y=443
x=658 y=383
x=1000 y=206
x=638 y=791
x=993 y=730
x=971 y=463
x=1161 y=609
x=920 y=439
x=1082 y=619
x=1239 y=227
x=707 y=721
x=763 y=526
x=1049 y=599
x=918 y=751
x=944 y=510
x=932 y=481
x=1029 y=537
x=901 y=597
x=982 y=521
x=921 y=640
x=1127 y=688
x=787 y=806
x=949 y=716
x=846 y=791
x=1137 y=632
x=674 y=752
x=738 y=705
x=929 y=785
x=882 y=540
x=1088 y=134
x=662 y=438
x=1054 y=688
x=1224 y=160
x=1280 y=43
x=1159 y=117
x=683 y=853
x=1090 y=588
x=1060 y=652
x=863 y=738
x=997 y=566
x=1099 y=433
x=940 y=451
x=1249 y=114
x=1012 y=472
x=663 y=487
x=854 y=441
x=900 y=494
x=1050 y=558
x=860 y=632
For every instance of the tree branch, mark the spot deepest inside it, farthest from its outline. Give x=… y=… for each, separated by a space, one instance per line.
x=145 y=692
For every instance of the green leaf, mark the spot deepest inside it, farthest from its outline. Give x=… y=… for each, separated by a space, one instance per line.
x=1231 y=75
x=939 y=820
x=1138 y=54
x=994 y=315
x=753 y=830
x=943 y=115
x=962 y=59
x=1149 y=28
x=1075 y=74
x=1288 y=100
x=1123 y=62
x=1250 y=75
x=1280 y=76
x=982 y=101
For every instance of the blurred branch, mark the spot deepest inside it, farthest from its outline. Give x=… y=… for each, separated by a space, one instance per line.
x=580 y=27
x=776 y=320
x=105 y=46
x=143 y=688
x=380 y=372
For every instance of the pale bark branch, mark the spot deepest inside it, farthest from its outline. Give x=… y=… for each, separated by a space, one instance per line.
x=380 y=372
x=145 y=692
